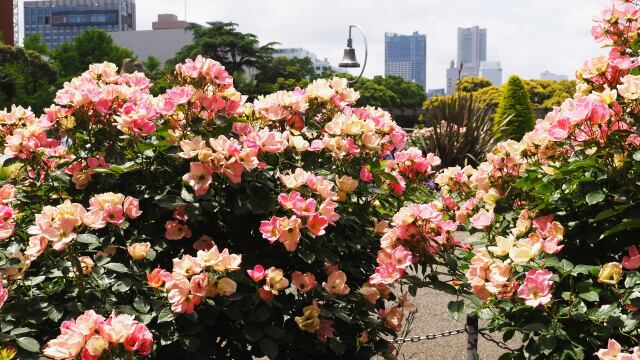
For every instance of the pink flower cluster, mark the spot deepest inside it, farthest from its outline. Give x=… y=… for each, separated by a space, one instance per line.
x=25 y=135
x=60 y=224
x=411 y=163
x=357 y=130
x=416 y=229
x=632 y=261
x=283 y=106
x=108 y=98
x=275 y=281
x=81 y=171
x=91 y=335
x=489 y=276
x=196 y=277
x=614 y=352
x=617 y=24
x=177 y=228
x=287 y=230
x=7 y=226
x=203 y=68
x=224 y=155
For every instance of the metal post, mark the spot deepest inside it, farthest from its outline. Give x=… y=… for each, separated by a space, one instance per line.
x=472 y=337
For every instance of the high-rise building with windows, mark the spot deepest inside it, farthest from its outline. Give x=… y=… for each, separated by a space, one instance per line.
x=406 y=56
x=60 y=21
x=472 y=59
x=472 y=46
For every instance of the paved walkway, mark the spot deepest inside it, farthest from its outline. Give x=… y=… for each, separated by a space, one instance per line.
x=433 y=317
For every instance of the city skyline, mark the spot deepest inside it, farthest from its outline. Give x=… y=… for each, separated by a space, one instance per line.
x=524 y=39
x=531 y=47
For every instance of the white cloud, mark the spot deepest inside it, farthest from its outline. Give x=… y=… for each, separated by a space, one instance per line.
x=528 y=37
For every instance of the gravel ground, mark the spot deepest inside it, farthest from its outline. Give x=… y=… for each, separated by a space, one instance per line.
x=433 y=317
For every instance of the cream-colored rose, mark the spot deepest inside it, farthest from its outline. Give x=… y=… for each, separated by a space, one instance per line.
x=521 y=253
x=226 y=287
x=503 y=245
x=347 y=184
x=139 y=251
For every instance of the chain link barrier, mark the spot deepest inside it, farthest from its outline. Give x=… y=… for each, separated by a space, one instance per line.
x=483 y=333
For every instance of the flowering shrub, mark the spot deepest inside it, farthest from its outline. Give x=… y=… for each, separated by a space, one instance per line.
x=228 y=229
x=554 y=217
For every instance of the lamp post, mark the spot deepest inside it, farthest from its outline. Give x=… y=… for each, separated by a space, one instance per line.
x=349 y=57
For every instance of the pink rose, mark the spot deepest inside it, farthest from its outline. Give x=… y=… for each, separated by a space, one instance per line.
x=304 y=283
x=536 y=289
x=337 y=283
x=257 y=274
x=482 y=219
x=132 y=207
x=199 y=284
x=632 y=261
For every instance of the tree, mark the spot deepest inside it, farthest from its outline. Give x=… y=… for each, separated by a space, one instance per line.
x=25 y=78
x=232 y=48
x=471 y=84
x=284 y=74
x=33 y=42
x=545 y=94
x=515 y=115
x=91 y=46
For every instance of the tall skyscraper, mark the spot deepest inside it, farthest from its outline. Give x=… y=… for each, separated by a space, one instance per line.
x=406 y=56
x=472 y=46
x=59 y=21
x=472 y=52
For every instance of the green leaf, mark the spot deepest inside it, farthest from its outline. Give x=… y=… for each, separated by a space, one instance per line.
x=591 y=296
x=117 y=267
x=534 y=327
x=455 y=308
x=269 y=348
x=275 y=332
x=636 y=156
x=595 y=197
x=632 y=279
x=29 y=344
x=252 y=332
x=88 y=239
x=547 y=344
x=165 y=315
x=140 y=304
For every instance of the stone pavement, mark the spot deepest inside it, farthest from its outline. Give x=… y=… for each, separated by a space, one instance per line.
x=433 y=317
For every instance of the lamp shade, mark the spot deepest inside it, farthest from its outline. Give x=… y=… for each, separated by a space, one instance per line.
x=349 y=59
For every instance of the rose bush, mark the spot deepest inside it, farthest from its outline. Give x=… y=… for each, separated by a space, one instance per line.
x=228 y=229
x=555 y=219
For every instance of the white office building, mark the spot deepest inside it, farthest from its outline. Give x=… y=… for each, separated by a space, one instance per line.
x=548 y=75
x=491 y=70
x=319 y=65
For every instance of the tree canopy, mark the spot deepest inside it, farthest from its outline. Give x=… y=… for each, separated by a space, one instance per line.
x=25 y=78
x=471 y=84
x=222 y=41
x=89 y=47
x=33 y=42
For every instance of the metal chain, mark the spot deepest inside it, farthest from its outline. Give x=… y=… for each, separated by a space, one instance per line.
x=498 y=343
x=482 y=333
x=428 y=337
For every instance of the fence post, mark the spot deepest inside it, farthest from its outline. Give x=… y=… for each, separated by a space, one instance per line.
x=472 y=337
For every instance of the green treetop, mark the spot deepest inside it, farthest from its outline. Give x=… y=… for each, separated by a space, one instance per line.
x=515 y=115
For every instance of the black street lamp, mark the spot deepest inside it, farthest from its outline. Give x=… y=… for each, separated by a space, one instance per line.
x=349 y=57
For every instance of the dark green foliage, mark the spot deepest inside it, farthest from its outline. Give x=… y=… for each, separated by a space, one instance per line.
x=514 y=116
x=473 y=84
x=90 y=47
x=34 y=43
x=232 y=48
x=458 y=130
x=283 y=74
x=25 y=78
